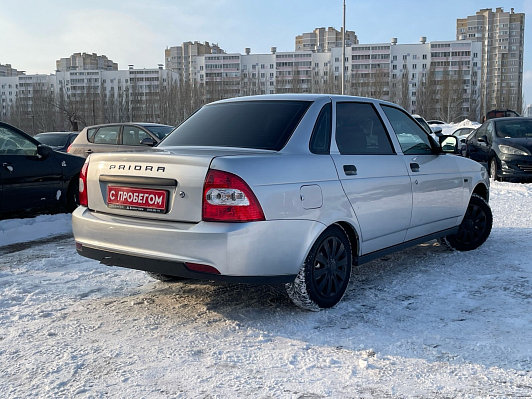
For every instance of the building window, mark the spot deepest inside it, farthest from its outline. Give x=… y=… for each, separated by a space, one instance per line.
x=424 y=56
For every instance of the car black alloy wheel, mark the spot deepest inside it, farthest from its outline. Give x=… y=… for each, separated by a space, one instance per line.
x=475 y=227
x=329 y=268
x=324 y=276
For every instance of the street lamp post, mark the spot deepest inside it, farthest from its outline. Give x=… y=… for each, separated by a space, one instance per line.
x=343 y=55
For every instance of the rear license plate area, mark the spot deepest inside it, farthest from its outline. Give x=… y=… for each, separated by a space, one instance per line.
x=137 y=199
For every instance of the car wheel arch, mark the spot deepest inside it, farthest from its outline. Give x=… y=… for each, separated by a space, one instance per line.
x=482 y=191
x=353 y=237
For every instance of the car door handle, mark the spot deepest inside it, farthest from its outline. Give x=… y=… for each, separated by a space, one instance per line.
x=89 y=151
x=350 y=170
x=414 y=166
x=8 y=166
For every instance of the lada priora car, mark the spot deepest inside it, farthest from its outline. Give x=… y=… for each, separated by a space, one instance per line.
x=290 y=189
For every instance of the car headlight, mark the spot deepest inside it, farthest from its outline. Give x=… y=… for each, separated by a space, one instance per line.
x=506 y=149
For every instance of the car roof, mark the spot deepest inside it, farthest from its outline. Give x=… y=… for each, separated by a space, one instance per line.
x=143 y=124
x=56 y=133
x=512 y=118
x=301 y=97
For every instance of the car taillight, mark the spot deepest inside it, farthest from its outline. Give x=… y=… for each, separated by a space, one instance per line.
x=228 y=198
x=69 y=147
x=83 y=197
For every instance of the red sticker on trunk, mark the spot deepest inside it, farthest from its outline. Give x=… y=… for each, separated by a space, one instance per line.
x=136 y=199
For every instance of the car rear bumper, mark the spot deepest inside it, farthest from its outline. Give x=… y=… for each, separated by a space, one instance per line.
x=257 y=252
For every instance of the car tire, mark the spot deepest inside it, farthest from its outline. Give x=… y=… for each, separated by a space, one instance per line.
x=493 y=169
x=324 y=276
x=72 y=200
x=475 y=227
x=165 y=277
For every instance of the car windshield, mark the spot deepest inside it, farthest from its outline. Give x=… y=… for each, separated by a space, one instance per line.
x=245 y=124
x=160 y=131
x=514 y=129
x=54 y=140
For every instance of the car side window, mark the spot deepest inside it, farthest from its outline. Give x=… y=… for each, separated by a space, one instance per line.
x=13 y=144
x=132 y=135
x=412 y=138
x=489 y=132
x=90 y=134
x=107 y=135
x=320 y=141
x=481 y=131
x=360 y=131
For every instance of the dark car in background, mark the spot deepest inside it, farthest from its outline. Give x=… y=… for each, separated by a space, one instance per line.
x=59 y=141
x=33 y=175
x=504 y=146
x=116 y=137
x=501 y=113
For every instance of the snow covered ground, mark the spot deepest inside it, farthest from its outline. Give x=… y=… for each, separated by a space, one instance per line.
x=425 y=322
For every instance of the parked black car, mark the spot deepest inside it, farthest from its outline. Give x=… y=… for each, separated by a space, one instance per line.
x=504 y=146
x=59 y=141
x=33 y=175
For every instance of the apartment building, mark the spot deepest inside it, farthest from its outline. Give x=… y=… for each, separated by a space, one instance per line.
x=86 y=61
x=390 y=71
x=182 y=59
x=502 y=37
x=322 y=40
x=123 y=93
x=8 y=70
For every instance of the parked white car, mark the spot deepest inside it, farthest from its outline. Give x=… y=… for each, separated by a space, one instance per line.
x=290 y=189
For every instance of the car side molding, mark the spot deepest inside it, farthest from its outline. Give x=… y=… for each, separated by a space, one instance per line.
x=399 y=247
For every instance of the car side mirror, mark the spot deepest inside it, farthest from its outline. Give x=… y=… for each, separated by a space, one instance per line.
x=148 y=141
x=449 y=144
x=483 y=139
x=43 y=151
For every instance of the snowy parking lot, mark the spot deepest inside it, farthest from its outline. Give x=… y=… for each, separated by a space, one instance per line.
x=425 y=322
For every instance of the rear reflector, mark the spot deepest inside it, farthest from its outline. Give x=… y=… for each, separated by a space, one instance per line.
x=198 y=267
x=79 y=246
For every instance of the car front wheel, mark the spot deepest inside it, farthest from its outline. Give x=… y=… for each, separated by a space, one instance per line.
x=493 y=169
x=475 y=227
x=324 y=276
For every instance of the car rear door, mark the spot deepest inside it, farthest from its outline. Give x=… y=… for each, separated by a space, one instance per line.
x=132 y=136
x=104 y=140
x=373 y=176
x=437 y=183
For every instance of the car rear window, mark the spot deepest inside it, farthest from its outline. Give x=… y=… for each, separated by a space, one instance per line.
x=54 y=140
x=248 y=124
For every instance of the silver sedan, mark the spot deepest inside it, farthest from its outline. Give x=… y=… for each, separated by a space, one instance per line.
x=291 y=189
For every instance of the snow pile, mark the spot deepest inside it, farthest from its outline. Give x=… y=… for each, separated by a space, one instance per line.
x=421 y=323
x=23 y=230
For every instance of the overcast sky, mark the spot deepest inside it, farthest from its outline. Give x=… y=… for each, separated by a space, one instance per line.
x=35 y=35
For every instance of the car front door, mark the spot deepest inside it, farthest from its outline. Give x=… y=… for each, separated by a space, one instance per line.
x=437 y=183
x=28 y=179
x=478 y=150
x=373 y=176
